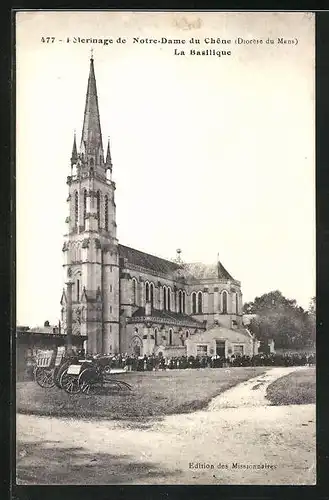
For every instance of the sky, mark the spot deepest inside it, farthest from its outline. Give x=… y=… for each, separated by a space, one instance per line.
x=211 y=154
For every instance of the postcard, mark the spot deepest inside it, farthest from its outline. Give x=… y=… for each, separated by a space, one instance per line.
x=165 y=166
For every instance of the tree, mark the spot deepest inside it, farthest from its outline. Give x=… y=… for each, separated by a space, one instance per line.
x=282 y=320
x=268 y=302
x=312 y=318
x=312 y=306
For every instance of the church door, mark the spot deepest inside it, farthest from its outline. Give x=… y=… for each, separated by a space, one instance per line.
x=220 y=348
x=136 y=345
x=137 y=350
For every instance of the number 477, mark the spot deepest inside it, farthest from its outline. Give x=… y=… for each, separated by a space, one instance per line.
x=48 y=39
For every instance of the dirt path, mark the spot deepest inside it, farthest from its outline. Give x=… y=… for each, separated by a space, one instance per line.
x=214 y=446
x=252 y=392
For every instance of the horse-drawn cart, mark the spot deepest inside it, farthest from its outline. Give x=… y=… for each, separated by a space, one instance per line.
x=76 y=375
x=47 y=367
x=88 y=376
x=44 y=369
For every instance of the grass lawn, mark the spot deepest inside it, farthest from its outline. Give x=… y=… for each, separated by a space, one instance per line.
x=294 y=389
x=154 y=394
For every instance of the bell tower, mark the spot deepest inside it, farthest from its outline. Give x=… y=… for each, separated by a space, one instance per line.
x=91 y=258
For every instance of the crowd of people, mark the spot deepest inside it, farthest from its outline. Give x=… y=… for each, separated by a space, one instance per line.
x=159 y=362
x=153 y=362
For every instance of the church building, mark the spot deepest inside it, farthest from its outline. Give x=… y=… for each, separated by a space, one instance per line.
x=120 y=299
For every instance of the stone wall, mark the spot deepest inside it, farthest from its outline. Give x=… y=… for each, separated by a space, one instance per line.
x=212 y=296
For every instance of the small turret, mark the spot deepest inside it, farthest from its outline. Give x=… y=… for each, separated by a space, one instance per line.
x=74 y=157
x=108 y=162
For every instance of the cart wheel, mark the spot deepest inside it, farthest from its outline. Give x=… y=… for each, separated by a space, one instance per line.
x=69 y=383
x=88 y=378
x=44 y=377
x=58 y=373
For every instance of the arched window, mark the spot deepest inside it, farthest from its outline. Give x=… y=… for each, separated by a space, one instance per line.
x=224 y=299
x=184 y=302
x=193 y=303
x=180 y=301
x=147 y=292
x=164 y=298
x=168 y=294
x=78 y=290
x=200 y=302
x=152 y=294
x=170 y=336
x=134 y=287
x=78 y=254
x=187 y=333
x=155 y=336
x=237 y=303
x=98 y=208
x=84 y=206
x=76 y=208
x=106 y=210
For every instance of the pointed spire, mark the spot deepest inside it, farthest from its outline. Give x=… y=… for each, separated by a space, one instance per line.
x=91 y=137
x=108 y=155
x=74 y=157
x=63 y=298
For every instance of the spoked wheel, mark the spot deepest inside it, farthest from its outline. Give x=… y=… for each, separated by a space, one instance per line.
x=44 y=377
x=58 y=374
x=70 y=383
x=88 y=381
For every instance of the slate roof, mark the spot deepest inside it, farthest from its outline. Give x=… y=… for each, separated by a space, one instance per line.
x=200 y=271
x=148 y=261
x=196 y=270
x=45 y=330
x=223 y=273
x=167 y=315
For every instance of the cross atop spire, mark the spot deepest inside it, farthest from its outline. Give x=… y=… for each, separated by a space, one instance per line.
x=91 y=53
x=91 y=139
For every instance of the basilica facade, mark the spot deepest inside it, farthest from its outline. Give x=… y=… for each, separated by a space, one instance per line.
x=122 y=300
